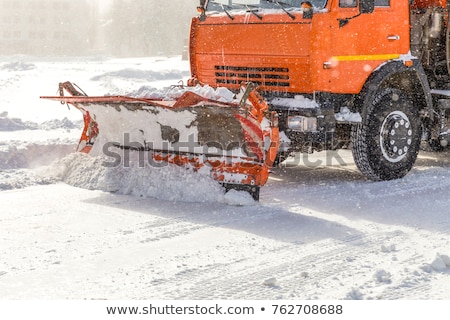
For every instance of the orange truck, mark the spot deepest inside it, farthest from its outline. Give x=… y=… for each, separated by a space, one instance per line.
x=367 y=74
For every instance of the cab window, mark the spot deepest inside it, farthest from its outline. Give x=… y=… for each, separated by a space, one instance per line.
x=353 y=3
x=382 y=3
x=347 y=3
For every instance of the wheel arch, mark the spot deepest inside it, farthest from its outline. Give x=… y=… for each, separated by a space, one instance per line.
x=395 y=74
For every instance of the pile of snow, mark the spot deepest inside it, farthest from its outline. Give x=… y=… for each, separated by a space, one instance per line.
x=441 y=263
x=345 y=115
x=238 y=198
x=354 y=294
x=138 y=178
x=169 y=182
x=382 y=276
x=15 y=124
x=18 y=179
x=219 y=94
x=27 y=144
x=22 y=154
x=174 y=92
x=18 y=66
x=61 y=124
x=298 y=102
x=79 y=170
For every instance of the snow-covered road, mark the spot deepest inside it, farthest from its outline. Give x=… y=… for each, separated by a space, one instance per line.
x=320 y=230
x=316 y=234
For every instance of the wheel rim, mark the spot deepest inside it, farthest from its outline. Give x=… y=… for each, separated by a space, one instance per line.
x=396 y=136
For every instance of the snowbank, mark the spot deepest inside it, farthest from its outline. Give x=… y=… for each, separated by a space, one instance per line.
x=18 y=179
x=27 y=144
x=15 y=124
x=17 y=66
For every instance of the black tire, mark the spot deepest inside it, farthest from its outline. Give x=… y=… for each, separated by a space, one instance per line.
x=386 y=143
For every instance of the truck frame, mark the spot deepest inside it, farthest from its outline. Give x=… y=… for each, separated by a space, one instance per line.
x=375 y=72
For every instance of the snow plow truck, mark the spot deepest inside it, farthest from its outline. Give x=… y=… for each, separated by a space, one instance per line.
x=312 y=75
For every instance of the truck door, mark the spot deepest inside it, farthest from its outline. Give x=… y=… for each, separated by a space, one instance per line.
x=361 y=42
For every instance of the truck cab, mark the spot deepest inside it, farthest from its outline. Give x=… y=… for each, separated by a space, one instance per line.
x=340 y=73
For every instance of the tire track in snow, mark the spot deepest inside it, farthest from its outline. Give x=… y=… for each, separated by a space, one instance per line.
x=298 y=271
x=170 y=230
x=299 y=268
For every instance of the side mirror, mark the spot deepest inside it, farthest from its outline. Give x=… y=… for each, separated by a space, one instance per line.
x=201 y=13
x=201 y=10
x=366 y=6
x=307 y=9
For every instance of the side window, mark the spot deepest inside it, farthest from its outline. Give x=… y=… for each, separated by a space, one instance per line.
x=347 y=3
x=382 y=3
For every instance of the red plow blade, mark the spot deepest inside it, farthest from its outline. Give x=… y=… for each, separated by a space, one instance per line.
x=236 y=142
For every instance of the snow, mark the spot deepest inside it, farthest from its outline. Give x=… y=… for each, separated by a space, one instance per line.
x=167 y=182
x=298 y=102
x=174 y=92
x=345 y=115
x=73 y=228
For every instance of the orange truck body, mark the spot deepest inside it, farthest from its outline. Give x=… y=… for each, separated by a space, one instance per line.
x=352 y=57
x=302 y=55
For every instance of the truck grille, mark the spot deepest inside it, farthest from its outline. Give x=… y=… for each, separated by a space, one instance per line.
x=264 y=76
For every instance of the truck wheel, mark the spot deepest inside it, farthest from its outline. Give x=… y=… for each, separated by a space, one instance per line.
x=386 y=143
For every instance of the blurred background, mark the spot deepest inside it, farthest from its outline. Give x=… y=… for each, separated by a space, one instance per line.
x=117 y=28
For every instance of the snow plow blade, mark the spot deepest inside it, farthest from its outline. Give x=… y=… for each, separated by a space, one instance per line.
x=236 y=142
